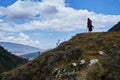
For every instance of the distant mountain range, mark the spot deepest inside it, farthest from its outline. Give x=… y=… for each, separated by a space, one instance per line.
x=20 y=49
x=31 y=56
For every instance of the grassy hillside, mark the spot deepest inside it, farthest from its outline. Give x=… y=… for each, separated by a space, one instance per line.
x=86 y=56
x=9 y=61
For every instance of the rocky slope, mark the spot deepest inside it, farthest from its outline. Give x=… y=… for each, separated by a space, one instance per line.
x=115 y=27
x=9 y=61
x=86 y=56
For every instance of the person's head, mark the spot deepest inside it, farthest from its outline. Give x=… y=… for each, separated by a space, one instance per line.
x=88 y=18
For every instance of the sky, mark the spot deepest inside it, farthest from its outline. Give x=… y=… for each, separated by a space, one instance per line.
x=42 y=23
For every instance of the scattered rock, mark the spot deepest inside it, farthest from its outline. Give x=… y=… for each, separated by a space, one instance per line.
x=74 y=64
x=82 y=62
x=55 y=71
x=102 y=53
x=93 y=61
x=3 y=73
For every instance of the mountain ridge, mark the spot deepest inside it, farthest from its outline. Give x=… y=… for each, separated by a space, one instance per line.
x=86 y=56
x=116 y=27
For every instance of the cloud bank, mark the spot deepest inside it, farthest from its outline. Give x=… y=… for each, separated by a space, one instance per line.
x=50 y=15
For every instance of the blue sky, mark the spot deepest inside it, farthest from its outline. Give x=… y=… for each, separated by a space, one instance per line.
x=43 y=23
x=6 y=3
x=98 y=6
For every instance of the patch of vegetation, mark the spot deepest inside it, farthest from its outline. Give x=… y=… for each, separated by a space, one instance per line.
x=9 y=61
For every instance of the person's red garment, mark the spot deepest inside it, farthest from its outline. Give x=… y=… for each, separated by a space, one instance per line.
x=89 y=25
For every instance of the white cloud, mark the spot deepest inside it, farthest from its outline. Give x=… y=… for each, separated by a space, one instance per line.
x=22 y=10
x=48 y=12
x=2 y=11
x=57 y=3
x=53 y=16
x=21 y=39
x=23 y=36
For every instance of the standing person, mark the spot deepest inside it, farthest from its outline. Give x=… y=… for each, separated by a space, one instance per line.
x=89 y=24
